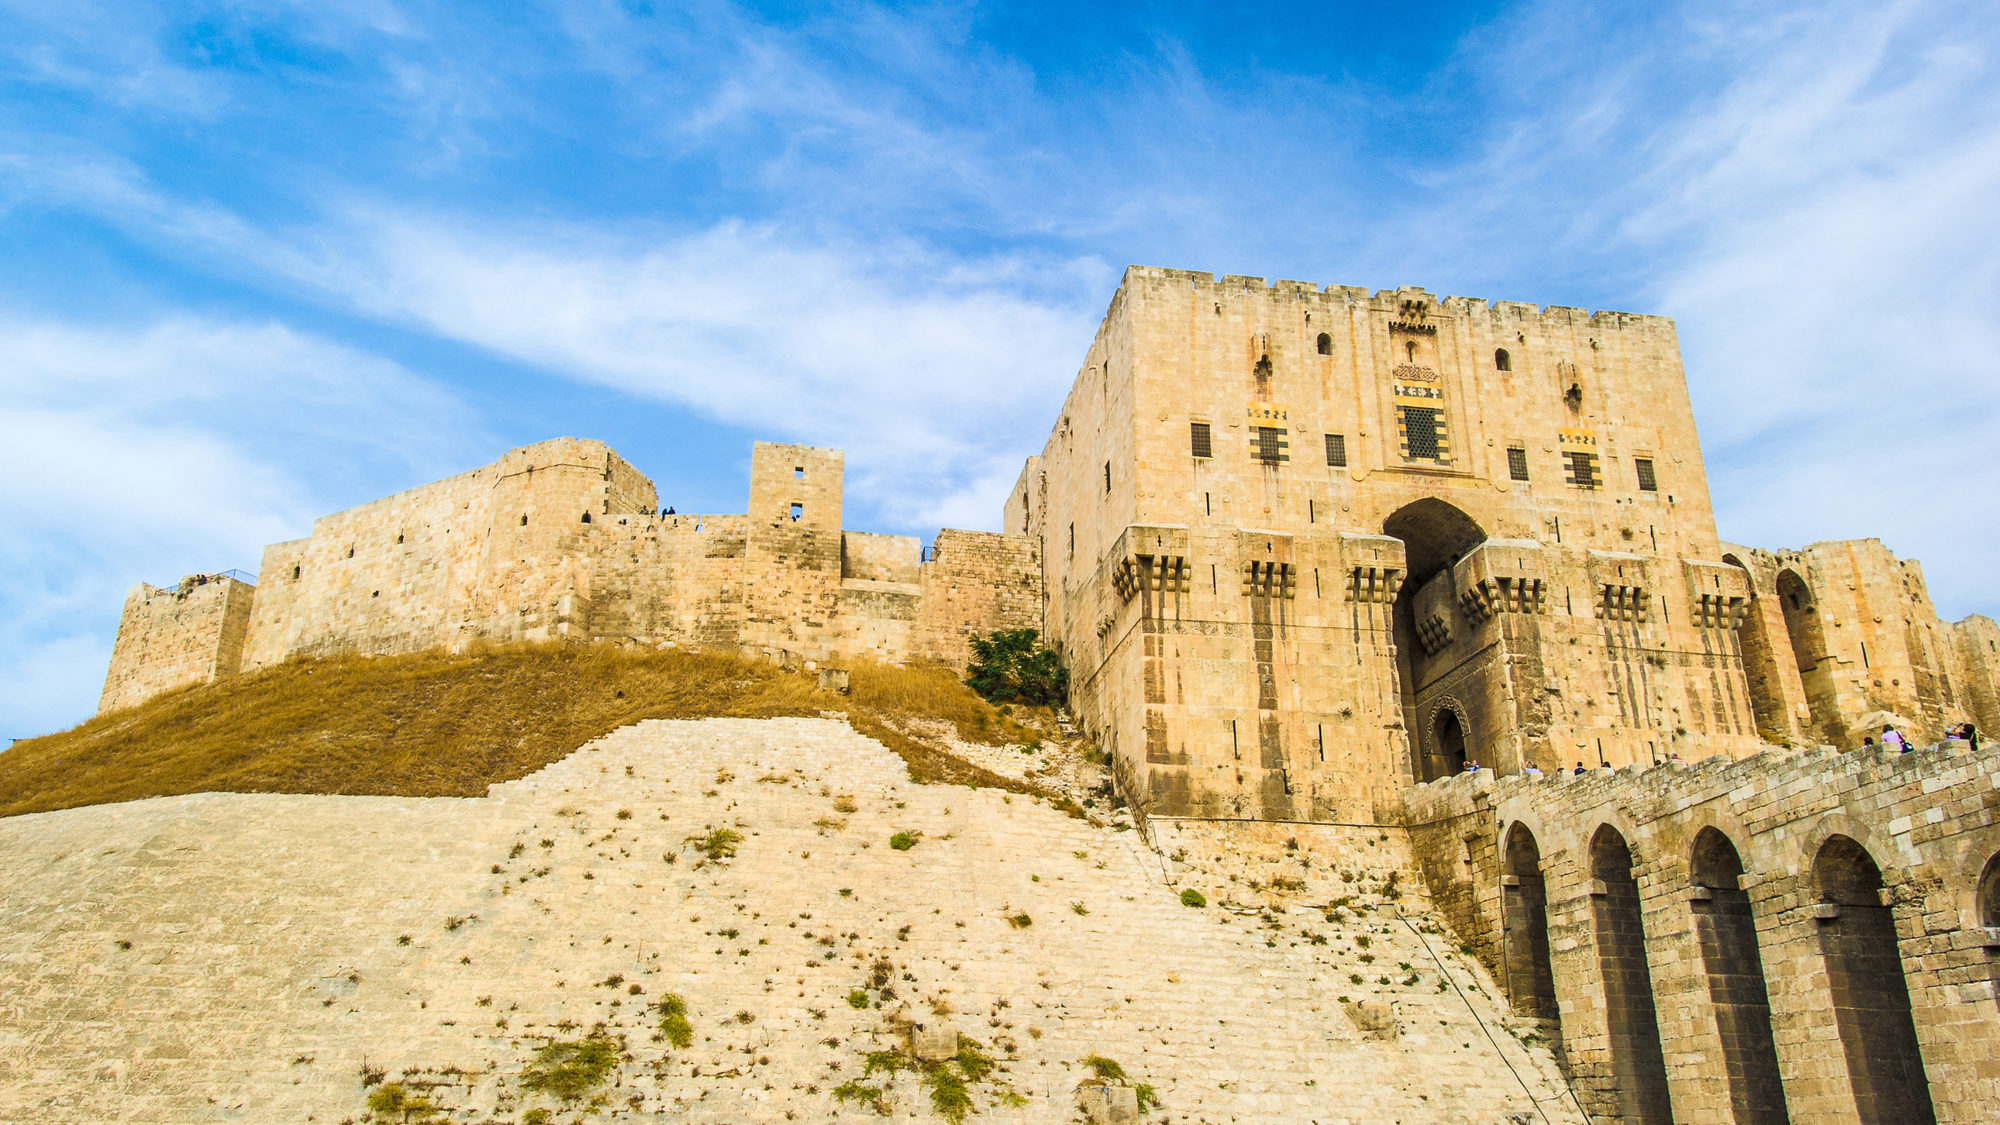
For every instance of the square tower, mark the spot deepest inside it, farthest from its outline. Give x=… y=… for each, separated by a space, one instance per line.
x=1305 y=545
x=792 y=556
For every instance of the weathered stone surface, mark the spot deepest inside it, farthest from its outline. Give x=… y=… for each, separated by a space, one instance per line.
x=1108 y=1105
x=1375 y=1017
x=934 y=1040
x=564 y=540
x=1280 y=601
x=1762 y=976
x=169 y=638
x=240 y=957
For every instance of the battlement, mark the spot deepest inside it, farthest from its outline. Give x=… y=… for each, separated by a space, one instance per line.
x=1389 y=300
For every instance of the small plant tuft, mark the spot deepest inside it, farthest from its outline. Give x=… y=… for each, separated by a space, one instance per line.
x=718 y=844
x=393 y=1098
x=569 y=1070
x=1104 y=1068
x=674 y=1021
x=1194 y=898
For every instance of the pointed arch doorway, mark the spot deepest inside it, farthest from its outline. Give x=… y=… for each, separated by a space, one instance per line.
x=1435 y=535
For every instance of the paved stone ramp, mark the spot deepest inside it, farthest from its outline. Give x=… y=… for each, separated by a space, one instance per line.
x=245 y=958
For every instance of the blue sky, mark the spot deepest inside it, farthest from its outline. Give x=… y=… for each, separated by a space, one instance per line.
x=262 y=261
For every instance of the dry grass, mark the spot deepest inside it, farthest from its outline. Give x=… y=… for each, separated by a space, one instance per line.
x=437 y=725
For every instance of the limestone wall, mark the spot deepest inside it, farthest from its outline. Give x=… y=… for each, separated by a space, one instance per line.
x=1747 y=906
x=1273 y=605
x=1978 y=639
x=976 y=583
x=879 y=558
x=659 y=579
x=169 y=638
x=1858 y=625
x=561 y=541
x=493 y=553
x=792 y=565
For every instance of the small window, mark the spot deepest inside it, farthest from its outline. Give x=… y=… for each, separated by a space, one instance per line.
x=1107 y=476
x=1502 y=361
x=1336 y=450
x=295 y=572
x=350 y=552
x=399 y=539
x=1270 y=447
x=1325 y=344
x=1420 y=433
x=798 y=472
x=1517 y=463
x=798 y=510
x=586 y=517
x=1582 y=469
x=524 y=519
x=1647 y=481
x=1200 y=443
x=1072 y=540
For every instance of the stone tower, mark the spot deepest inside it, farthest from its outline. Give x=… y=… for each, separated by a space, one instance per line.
x=1305 y=545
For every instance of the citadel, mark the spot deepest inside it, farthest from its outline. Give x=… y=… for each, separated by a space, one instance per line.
x=1308 y=554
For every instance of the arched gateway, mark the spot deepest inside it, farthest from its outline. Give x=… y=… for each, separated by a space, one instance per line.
x=1435 y=535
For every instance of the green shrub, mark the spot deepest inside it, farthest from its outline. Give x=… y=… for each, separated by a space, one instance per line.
x=902 y=841
x=1192 y=897
x=1020 y=921
x=1009 y=666
x=857 y=998
x=948 y=1095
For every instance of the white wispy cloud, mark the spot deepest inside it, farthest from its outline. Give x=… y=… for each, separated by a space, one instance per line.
x=868 y=229
x=1838 y=289
x=934 y=370
x=1807 y=190
x=141 y=453
x=930 y=370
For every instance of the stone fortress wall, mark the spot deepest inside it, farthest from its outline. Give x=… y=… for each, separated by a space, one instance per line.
x=1812 y=935
x=1306 y=553
x=564 y=540
x=1305 y=546
x=190 y=633
x=1309 y=551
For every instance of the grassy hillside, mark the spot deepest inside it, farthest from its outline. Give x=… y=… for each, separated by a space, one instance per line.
x=438 y=725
